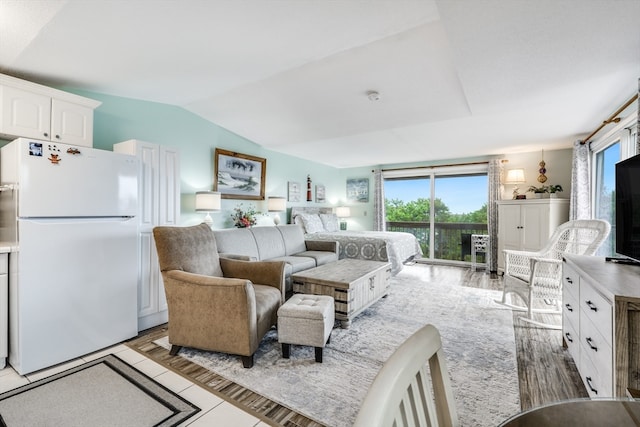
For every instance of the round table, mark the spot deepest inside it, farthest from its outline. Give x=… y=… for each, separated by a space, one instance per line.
x=580 y=412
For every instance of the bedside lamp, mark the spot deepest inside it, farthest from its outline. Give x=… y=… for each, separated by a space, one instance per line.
x=276 y=204
x=207 y=201
x=343 y=212
x=515 y=177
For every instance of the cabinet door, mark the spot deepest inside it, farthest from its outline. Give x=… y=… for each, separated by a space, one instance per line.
x=71 y=123
x=535 y=220
x=25 y=113
x=510 y=227
x=169 y=186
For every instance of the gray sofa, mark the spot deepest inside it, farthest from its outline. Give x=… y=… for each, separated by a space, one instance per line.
x=281 y=243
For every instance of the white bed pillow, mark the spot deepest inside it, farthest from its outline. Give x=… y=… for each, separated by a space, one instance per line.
x=330 y=222
x=312 y=223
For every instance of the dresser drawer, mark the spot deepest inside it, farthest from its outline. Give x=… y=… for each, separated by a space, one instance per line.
x=597 y=383
x=595 y=346
x=572 y=339
x=570 y=308
x=570 y=281
x=597 y=309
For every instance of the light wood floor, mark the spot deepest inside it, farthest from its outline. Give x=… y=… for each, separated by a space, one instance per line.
x=546 y=371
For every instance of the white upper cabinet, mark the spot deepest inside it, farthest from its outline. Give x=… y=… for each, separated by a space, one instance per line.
x=35 y=111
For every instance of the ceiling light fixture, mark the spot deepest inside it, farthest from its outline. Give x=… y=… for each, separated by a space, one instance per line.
x=373 y=95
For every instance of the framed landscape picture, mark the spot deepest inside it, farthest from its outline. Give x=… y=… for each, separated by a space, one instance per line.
x=358 y=190
x=239 y=176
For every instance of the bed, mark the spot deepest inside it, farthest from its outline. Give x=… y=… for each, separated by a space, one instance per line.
x=392 y=246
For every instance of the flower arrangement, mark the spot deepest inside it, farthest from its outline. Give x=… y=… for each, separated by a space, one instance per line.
x=244 y=218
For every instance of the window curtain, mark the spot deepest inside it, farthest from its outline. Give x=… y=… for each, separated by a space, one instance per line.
x=495 y=193
x=379 y=223
x=579 y=199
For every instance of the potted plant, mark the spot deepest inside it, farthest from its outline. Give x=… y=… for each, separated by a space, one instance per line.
x=553 y=189
x=538 y=192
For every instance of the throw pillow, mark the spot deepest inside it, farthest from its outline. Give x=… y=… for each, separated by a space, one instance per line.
x=330 y=222
x=312 y=223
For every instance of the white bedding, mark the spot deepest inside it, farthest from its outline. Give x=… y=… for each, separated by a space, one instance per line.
x=392 y=246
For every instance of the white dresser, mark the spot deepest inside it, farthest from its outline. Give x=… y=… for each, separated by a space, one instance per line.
x=601 y=323
x=526 y=225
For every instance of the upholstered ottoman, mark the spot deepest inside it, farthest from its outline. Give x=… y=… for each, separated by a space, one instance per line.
x=306 y=320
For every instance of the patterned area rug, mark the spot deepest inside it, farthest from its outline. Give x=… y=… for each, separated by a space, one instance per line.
x=104 y=392
x=477 y=336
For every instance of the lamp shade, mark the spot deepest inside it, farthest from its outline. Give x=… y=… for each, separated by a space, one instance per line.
x=207 y=201
x=276 y=204
x=515 y=176
x=343 y=211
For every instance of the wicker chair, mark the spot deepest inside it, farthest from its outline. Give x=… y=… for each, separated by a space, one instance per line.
x=538 y=275
x=401 y=393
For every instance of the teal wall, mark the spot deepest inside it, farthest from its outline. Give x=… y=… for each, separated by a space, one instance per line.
x=119 y=119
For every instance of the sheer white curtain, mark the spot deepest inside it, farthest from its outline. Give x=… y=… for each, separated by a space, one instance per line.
x=495 y=191
x=579 y=199
x=379 y=222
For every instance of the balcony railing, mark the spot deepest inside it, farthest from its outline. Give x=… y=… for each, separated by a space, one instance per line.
x=452 y=240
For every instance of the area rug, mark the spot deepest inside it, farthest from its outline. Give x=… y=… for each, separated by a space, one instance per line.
x=477 y=335
x=103 y=392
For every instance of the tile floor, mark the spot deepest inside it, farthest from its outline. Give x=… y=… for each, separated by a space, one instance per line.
x=215 y=412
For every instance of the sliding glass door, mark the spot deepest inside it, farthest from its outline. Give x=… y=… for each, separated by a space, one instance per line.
x=459 y=200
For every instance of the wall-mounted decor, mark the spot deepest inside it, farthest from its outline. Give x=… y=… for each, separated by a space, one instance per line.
x=239 y=176
x=294 y=191
x=358 y=190
x=309 y=197
x=320 y=193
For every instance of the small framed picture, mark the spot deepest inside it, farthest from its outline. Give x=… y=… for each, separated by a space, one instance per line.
x=294 y=191
x=320 y=193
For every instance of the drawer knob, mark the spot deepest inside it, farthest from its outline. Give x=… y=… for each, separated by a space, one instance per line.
x=372 y=283
x=591 y=305
x=568 y=336
x=568 y=279
x=590 y=385
x=569 y=308
x=590 y=342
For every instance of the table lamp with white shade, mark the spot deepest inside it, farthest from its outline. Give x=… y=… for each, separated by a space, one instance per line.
x=515 y=177
x=208 y=201
x=276 y=204
x=343 y=212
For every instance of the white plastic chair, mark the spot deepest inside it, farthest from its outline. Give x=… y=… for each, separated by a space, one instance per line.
x=538 y=275
x=401 y=393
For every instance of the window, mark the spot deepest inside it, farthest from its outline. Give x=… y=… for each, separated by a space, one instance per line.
x=620 y=143
x=459 y=199
x=605 y=196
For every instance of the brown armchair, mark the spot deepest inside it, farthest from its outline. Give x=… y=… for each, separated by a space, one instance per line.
x=214 y=303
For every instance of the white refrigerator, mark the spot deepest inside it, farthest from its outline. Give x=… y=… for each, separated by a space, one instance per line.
x=72 y=281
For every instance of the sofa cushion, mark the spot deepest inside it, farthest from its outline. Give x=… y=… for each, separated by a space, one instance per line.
x=269 y=241
x=293 y=237
x=297 y=263
x=321 y=257
x=237 y=241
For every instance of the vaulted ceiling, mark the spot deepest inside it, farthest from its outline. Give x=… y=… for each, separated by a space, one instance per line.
x=456 y=78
